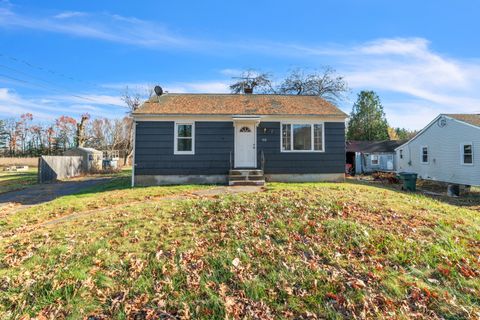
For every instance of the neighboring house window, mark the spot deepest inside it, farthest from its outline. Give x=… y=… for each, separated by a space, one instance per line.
x=184 y=138
x=374 y=159
x=424 y=154
x=467 y=153
x=302 y=137
x=401 y=153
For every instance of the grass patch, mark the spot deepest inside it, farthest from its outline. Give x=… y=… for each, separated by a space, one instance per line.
x=116 y=192
x=11 y=180
x=296 y=250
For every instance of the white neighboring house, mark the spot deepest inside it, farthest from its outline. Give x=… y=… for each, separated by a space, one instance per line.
x=447 y=150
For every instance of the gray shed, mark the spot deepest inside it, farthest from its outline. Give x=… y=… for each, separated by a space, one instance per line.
x=92 y=158
x=372 y=156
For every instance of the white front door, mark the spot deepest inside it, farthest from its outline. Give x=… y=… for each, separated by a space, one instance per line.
x=245 y=148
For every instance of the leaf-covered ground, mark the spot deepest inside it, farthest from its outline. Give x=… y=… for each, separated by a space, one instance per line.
x=294 y=251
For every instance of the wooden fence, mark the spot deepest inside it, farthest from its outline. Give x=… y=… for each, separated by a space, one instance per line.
x=12 y=161
x=52 y=168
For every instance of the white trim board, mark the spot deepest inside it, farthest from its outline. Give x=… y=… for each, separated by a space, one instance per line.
x=462 y=153
x=262 y=118
x=240 y=124
x=133 y=154
x=311 y=123
x=175 y=138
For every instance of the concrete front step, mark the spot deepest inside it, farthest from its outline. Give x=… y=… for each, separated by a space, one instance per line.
x=243 y=178
x=246 y=177
x=246 y=182
x=246 y=172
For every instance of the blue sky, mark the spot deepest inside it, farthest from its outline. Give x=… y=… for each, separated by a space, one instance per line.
x=71 y=57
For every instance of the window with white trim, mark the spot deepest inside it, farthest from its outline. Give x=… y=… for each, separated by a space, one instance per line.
x=298 y=137
x=424 y=154
x=467 y=153
x=184 y=138
x=374 y=159
x=401 y=153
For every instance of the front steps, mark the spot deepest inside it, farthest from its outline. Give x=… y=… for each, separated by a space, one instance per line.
x=246 y=177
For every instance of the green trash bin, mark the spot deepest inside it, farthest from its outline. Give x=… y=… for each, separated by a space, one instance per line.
x=409 y=180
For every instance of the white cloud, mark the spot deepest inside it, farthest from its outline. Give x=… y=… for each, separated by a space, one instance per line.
x=231 y=72
x=428 y=82
x=198 y=87
x=13 y=104
x=108 y=27
x=69 y=14
x=99 y=99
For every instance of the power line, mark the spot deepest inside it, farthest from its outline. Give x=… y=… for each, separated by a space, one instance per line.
x=30 y=76
x=34 y=66
x=50 y=88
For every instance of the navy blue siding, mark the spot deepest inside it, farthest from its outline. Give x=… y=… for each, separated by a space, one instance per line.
x=154 y=142
x=330 y=161
x=154 y=149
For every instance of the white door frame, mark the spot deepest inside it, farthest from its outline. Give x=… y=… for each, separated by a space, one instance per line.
x=239 y=124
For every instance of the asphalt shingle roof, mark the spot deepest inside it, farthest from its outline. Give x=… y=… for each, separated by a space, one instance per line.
x=473 y=119
x=238 y=104
x=373 y=146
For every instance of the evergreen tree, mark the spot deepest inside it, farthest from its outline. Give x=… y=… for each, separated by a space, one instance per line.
x=3 y=135
x=367 y=120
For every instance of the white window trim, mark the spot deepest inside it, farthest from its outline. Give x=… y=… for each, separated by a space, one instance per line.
x=175 y=142
x=371 y=160
x=462 y=153
x=421 y=155
x=312 y=136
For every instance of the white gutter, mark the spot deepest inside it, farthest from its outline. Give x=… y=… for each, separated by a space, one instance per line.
x=133 y=155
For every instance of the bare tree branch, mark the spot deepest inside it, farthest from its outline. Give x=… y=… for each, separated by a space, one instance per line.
x=251 y=79
x=326 y=84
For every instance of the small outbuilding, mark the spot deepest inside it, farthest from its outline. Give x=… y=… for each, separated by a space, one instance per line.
x=371 y=156
x=92 y=158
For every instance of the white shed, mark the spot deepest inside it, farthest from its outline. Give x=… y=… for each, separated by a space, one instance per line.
x=92 y=158
x=445 y=150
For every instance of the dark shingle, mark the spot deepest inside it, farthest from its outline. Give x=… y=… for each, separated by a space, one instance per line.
x=373 y=146
x=473 y=119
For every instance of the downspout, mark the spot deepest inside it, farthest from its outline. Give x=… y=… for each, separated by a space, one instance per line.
x=133 y=156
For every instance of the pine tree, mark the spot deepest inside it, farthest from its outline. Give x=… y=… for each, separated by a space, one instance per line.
x=367 y=120
x=3 y=135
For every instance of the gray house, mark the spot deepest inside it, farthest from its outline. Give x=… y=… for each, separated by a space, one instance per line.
x=240 y=139
x=446 y=150
x=372 y=156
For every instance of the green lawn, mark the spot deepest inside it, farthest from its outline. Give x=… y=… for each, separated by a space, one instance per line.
x=293 y=251
x=10 y=181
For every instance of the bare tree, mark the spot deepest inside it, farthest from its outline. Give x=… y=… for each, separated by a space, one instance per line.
x=133 y=100
x=326 y=84
x=81 y=138
x=253 y=80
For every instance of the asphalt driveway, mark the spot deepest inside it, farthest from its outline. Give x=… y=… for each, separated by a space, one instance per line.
x=41 y=193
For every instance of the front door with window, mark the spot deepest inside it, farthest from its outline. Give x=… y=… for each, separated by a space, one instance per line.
x=245 y=146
